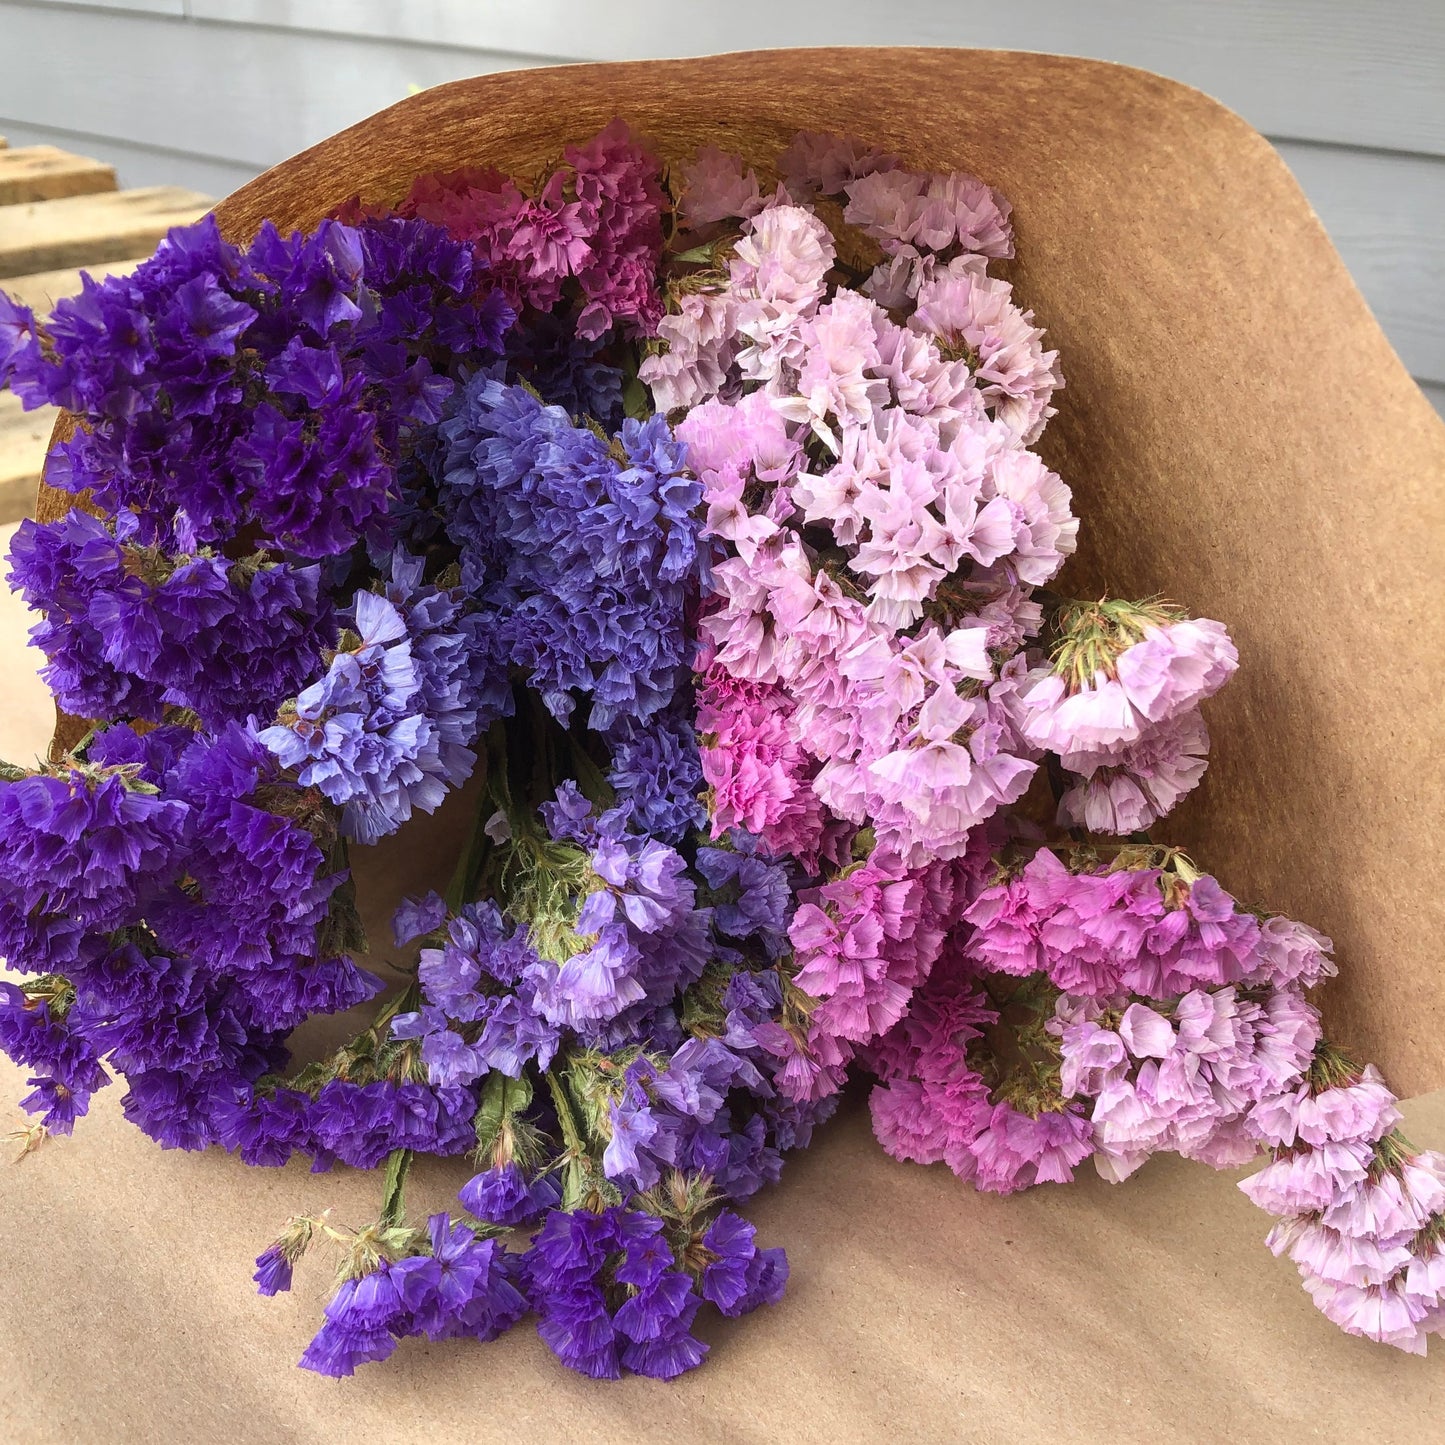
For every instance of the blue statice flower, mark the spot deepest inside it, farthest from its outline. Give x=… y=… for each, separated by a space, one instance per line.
x=656 y=773
x=389 y=727
x=127 y=631
x=564 y=370
x=754 y=897
x=581 y=552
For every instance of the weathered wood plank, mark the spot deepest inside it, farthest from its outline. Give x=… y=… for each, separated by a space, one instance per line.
x=42 y=289
x=48 y=235
x=144 y=165
x=23 y=439
x=1335 y=70
x=46 y=173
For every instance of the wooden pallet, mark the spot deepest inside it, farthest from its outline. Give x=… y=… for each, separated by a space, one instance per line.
x=77 y=230
x=46 y=173
x=60 y=214
x=41 y=291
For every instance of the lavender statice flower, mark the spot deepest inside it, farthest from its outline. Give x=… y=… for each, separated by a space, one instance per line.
x=627 y=938
x=1360 y=1213
x=475 y=1017
x=389 y=727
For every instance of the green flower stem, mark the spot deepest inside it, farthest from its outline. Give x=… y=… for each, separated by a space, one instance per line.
x=393 y=1202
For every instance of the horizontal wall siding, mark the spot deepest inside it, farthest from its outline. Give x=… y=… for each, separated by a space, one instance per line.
x=205 y=93
x=234 y=93
x=1361 y=72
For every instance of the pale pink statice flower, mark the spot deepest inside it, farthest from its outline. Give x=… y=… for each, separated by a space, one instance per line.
x=923 y=383
x=734 y=448
x=777 y=279
x=1360 y=1213
x=1181 y=1076
x=1127 y=790
x=949 y=213
x=819 y=164
x=971 y=312
x=835 y=384
x=699 y=345
x=716 y=187
x=1134 y=686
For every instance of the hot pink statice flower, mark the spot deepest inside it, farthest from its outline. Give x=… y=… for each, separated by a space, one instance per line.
x=596 y=221
x=1157 y=932
x=933 y=1105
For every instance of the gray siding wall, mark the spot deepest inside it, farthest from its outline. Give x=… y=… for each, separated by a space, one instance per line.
x=209 y=92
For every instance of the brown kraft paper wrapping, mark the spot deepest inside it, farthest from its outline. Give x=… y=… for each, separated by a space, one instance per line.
x=1239 y=435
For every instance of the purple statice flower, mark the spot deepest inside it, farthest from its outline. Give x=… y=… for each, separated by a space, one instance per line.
x=90 y=843
x=360 y=1124
x=740 y=1276
x=462 y=1287
x=126 y=631
x=505 y=1195
x=269 y=389
x=67 y=1069
x=262 y=888
x=580 y=553
x=273 y=1272
x=389 y=727
x=363 y=1319
x=689 y=1112
x=565 y=370
x=613 y=1296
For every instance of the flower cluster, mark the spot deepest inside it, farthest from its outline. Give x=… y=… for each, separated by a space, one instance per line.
x=1361 y=1213
x=695 y=525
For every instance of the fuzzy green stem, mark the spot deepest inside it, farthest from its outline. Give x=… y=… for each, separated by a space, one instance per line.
x=393 y=1202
